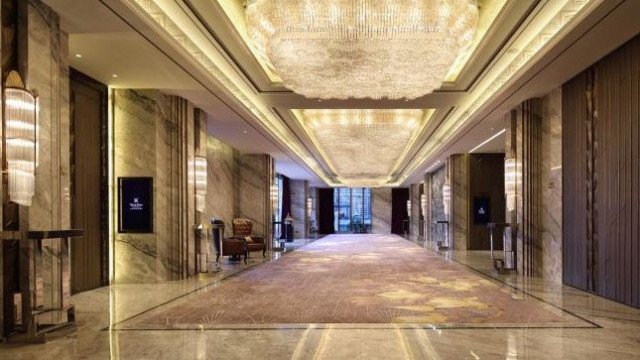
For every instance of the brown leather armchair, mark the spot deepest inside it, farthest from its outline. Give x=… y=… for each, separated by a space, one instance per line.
x=242 y=229
x=230 y=246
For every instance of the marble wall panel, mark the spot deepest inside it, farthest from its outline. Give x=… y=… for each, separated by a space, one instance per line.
x=550 y=227
x=48 y=73
x=255 y=176
x=46 y=70
x=541 y=128
x=154 y=136
x=381 y=210
x=458 y=167
x=414 y=195
x=299 y=194
x=222 y=182
x=436 y=205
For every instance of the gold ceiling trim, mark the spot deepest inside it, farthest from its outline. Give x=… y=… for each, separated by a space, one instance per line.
x=553 y=19
x=173 y=20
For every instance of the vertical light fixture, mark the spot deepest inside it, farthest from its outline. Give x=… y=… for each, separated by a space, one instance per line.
x=309 y=207
x=510 y=179
x=20 y=129
x=274 y=194
x=201 y=182
x=446 y=197
x=409 y=208
x=423 y=204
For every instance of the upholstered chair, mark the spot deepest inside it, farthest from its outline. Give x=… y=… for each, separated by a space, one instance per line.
x=243 y=229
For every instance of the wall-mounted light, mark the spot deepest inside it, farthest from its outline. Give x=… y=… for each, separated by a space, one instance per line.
x=273 y=194
x=409 y=208
x=446 y=197
x=510 y=181
x=423 y=204
x=200 y=163
x=20 y=129
x=309 y=207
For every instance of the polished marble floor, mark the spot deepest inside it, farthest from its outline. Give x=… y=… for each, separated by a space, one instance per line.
x=615 y=333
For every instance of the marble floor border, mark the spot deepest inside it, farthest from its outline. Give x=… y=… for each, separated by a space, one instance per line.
x=214 y=283
x=488 y=276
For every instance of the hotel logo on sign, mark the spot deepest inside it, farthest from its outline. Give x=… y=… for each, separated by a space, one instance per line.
x=136 y=205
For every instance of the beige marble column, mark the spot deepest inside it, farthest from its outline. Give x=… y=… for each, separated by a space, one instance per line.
x=534 y=139
x=436 y=204
x=299 y=194
x=458 y=169
x=381 y=210
x=255 y=176
x=222 y=200
x=154 y=136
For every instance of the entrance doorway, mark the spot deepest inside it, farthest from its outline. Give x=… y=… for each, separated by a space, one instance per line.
x=89 y=204
x=352 y=210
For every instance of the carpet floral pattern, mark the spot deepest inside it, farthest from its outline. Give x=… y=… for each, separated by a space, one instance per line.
x=355 y=279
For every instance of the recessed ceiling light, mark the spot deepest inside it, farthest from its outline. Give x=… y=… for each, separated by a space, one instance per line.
x=78 y=55
x=115 y=76
x=244 y=131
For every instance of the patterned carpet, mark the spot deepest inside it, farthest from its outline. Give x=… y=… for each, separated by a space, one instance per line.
x=355 y=279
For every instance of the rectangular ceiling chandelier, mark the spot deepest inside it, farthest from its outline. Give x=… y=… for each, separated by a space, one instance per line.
x=363 y=146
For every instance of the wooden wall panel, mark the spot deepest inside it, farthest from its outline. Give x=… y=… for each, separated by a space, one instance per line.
x=601 y=148
x=485 y=183
x=89 y=182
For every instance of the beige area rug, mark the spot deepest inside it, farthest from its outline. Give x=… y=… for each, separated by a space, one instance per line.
x=356 y=279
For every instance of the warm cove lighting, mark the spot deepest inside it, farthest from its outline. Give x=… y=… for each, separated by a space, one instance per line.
x=20 y=138
x=361 y=48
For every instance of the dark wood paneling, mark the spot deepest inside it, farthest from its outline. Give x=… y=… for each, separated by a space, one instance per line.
x=399 y=197
x=88 y=186
x=601 y=186
x=486 y=180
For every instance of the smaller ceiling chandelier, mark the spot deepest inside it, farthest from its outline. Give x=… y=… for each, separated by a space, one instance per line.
x=363 y=145
x=361 y=48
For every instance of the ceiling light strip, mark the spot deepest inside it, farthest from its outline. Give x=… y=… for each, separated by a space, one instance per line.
x=488 y=140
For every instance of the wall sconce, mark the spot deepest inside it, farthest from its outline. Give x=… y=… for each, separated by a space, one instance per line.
x=510 y=181
x=409 y=208
x=201 y=182
x=309 y=207
x=446 y=197
x=20 y=129
x=273 y=193
x=423 y=204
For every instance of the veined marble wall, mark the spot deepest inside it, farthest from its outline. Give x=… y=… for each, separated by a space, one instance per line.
x=458 y=167
x=414 y=195
x=48 y=73
x=222 y=183
x=543 y=223
x=154 y=136
x=381 y=210
x=255 y=176
x=550 y=230
x=299 y=194
x=313 y=194
x=436 y=205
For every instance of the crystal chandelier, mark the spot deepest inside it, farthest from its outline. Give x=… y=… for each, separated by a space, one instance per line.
x=361 y=48
x=363 y=145
x=20 y=139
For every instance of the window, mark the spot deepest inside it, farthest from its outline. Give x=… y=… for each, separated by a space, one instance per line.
x=352 y=209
